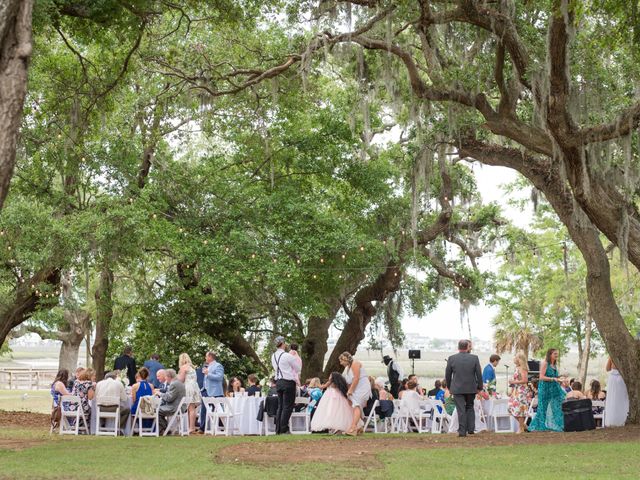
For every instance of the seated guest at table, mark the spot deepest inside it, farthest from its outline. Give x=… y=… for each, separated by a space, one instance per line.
x=73 y=378
x=142 y=388
x=489 y=372
x=410 y=400
x=84 y=389
x=566 y=384
x=445 y=388
x=379 y=385
x=419 y=389
x=314 y=390
x=153 y=365
x=161 y=375
x=403 y=386
x=58 y=389
x=595 y=392
x=576 y=392
x=334 y=412
x=109 y=388
x=434 y=391
x=253 y=387
x=187 y=375
x=170 y=400
x=235 y=387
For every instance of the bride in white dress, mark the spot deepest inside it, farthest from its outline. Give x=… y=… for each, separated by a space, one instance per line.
x=359 y=390
x=616 y=406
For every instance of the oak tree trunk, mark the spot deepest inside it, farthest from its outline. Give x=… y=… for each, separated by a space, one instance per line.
x=15 y=51
x=314 y=346
x=104 y=314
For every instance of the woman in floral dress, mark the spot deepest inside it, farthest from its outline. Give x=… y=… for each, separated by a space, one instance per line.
x=521 y=394
x=84 y=388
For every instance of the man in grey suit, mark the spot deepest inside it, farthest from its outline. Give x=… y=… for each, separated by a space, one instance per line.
x=170 y=399
x=464 y=377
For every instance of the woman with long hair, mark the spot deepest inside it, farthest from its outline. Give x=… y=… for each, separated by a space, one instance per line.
x=359 y=389
x=595 y=391
x=549 y=415
x=58 y=389
x=187 y=375
x=334 y=411
x=234 y=387
x=521 y=395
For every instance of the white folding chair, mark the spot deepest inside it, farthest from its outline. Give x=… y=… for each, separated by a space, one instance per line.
x=531 y=412
x=209 y=405
x=407 y=416
x=394 y=419
x=500 y=410
x=268 y=425
x=138 y=420
x=108 y=416
x=177 y=420
x=432 y=416
x=220 y=417
x=72 y=419
x=304 y=415
x=372 y=417
x=599 y=416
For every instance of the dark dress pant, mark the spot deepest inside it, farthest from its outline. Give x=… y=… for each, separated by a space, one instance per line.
x=466 y=413
x=286 y=399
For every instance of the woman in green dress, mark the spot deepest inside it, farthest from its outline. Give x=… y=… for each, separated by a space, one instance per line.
x=549 y=416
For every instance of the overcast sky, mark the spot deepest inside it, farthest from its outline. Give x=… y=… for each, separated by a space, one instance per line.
x=444 y=322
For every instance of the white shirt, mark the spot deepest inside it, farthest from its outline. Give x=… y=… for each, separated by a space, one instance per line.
x=285 y=365
x=110 y=388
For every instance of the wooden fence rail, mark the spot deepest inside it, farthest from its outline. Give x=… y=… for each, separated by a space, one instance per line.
x=26 y=378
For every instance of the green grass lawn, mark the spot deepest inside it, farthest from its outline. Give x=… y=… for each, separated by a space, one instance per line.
x=38 y=401
x=195 y=458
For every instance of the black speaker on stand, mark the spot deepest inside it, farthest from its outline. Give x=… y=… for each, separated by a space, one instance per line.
x=413 y=355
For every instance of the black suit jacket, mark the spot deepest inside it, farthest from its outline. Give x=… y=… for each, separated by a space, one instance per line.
x=463 y=374
x=125 y=362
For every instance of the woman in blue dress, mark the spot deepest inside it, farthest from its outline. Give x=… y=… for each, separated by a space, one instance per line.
x=549 y=416
x=142 y=388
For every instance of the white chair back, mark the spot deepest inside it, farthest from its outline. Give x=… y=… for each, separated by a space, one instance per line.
x=72 y=419
x=303 y=416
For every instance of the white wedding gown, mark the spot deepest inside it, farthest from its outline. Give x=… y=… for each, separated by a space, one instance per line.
x=616 y=406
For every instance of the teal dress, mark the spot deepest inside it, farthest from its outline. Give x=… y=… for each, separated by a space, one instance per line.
x=549 y=416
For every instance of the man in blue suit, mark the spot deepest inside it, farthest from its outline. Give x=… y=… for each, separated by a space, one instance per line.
x=153 y=365
x=213 y=379
x=489 y=372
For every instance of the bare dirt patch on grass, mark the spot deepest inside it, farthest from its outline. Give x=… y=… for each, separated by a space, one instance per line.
x=341 y=449
x=24 y=420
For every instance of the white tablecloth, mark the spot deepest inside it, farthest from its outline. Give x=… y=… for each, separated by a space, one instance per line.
x=480 y=425
x=501 y=409
x=247 y=407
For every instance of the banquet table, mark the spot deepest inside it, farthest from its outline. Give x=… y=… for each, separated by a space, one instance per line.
x=501 y=409
x=480 y=424
x=247 y=407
